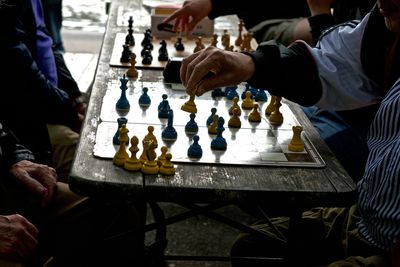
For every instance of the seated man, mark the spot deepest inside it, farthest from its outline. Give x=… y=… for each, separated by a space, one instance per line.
x=40 y=217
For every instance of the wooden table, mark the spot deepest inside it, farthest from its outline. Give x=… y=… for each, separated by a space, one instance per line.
x=288 y=188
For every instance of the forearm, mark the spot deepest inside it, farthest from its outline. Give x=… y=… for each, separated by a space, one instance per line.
x=289 y=72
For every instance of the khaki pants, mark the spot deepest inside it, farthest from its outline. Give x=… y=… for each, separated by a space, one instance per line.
x=64 y=142
x=326 y=235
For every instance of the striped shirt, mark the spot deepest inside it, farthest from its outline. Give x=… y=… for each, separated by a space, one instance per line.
x=379 y=189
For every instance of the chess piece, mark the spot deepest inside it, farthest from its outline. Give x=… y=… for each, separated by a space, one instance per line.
x=121 y=155
x=129 y=39
x=255 y=115
x=194 y=150
x=145 y=47
x=226 y=40
x=161 y=158
x=179 y=45
x=163 y=52
x=143 y=156
x=247 y=102
x=214 y=40
x=232 y=93
x=168 y=167
x=211 y=117
x=189 y=106
x=121 y=121
x=169 y=133
x=276 y=116
x=246 y=44
x=296 y=144
x=217 y=92
x=261 y=96
x=234 y=121
x=133 y=163
x=212 y=128
x=132 y=71
x=150 y=166
x=150 y=135
x=122 y=106
x=191 y=126
x=270 y=106
x=199 y=45
x=147 y=39
x=219 y=142
x=235 y=105
x=130 y=22
x=239 y=39
x=163 y=107
x=126 y=54
x=147 y=57
x=247 y=88
x=144 y=99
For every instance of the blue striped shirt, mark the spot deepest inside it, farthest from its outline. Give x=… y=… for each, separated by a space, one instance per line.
x=379 y=189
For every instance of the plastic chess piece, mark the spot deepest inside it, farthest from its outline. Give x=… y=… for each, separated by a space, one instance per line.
x=147 y=39
x=195 y=150
x=296 y=144
x=191 y=126
x=150 y=166
x=145 y=47
x=261 y=96
x=234 y=121
x=226 y=39
x=246 y=44
x=199 y=45
x=163 y=52
x=143 y=156
x=247 y=88
x=210 y=118
x=126 y=54
x=147 y=57
x=129 y=39
x=247 y=102
x=133 y=163
x=219 y=142
x=189 y=106
x=161 y=158
x=232 y=93
x=270 y=106
x=122 y=106
x=212 y=128
x=163 y=107
x=121 y=155
x=214 y=40
x=239 y=39
x=179 y=45
x=144 y=99
x=168 y=167
x=217 y=92
x=121 y=121
x=132 y=71
x=235 y=105
x=255 y=115
x=276 y=116
x=150 y=134
x=169 y=133
x=130 y=22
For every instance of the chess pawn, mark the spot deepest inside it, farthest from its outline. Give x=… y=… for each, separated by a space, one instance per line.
x=235 y=105
x=214 y=40
x=255 y=115
x=212 y=128
x=147 y=57
x=150 y=166
x=276 y=116
x=189 y=106
x=270 y=106
x=161 y=159
x=167 y=168
x=219 y=142
x=133 y=163
x=191 y=126
x=211 y=117
x=179 y=45
x=234 y=121
x=121 y=155
x=247 y=102
x=296 y=144
x=150 y=135
x=195 y=150
x=199 y=45
x=132 y=72
x=144 y=99
x=225 y=39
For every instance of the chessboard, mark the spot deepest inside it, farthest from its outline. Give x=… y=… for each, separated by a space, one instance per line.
x=260 y=143
x=188 y=43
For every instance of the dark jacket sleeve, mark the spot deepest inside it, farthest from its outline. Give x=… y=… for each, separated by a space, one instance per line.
x=289 y=72
x=29 y=83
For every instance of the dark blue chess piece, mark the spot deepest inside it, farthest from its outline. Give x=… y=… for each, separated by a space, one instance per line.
x=210 y=118
x=163 y=107
x=191 y=126
x=122 y=106
x=195 y=150
x=247 y=88
x=147 y=57
x=261 y=96
x=219 y=142
x=169 y=133
x=217 y=92
x=163 y=52
x=121 y=121
x=232 y=93
x=144 y=99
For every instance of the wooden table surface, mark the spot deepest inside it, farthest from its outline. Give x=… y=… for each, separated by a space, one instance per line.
x=302 y=187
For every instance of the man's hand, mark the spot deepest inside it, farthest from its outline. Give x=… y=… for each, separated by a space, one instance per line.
x=318 y=7
x=227 y=68
x=191 y=13
x=18 y=237
x=39 y=179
